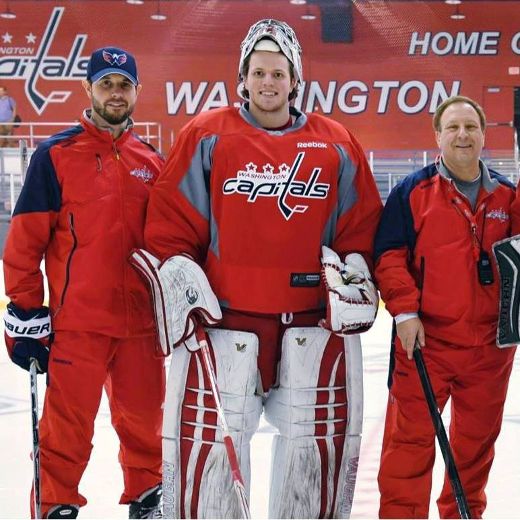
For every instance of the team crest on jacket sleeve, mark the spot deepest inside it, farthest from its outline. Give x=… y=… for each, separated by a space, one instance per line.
x=279 y=182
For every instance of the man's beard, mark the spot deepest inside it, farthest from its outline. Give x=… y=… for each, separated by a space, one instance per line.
x=111 y=119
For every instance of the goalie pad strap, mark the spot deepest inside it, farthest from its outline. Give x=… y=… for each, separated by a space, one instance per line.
x=507 y=254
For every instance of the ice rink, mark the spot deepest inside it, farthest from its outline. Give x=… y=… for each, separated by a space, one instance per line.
x=102 y=481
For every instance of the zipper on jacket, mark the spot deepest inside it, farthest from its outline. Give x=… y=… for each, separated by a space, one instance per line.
x=99 y=164
x=476 y=241
x=116 y=151
x=69 y=260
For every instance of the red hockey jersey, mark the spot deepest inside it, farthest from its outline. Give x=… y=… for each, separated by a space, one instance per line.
x=254 y=207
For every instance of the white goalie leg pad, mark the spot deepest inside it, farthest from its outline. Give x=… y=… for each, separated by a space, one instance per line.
x=196 y=472
x=309 y=408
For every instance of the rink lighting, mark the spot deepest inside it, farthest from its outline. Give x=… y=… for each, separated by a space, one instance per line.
x=298 y=2
x=135 y=2
x=457 y=15
x=453 y=2
x=308 y=16
x=158 y=15
x=8 y=14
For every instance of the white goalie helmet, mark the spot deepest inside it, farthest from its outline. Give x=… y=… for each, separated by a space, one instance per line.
x=282 y=35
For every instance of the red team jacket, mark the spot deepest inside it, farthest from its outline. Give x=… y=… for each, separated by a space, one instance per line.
x=83 y=206
x=427 y=247
x=253 y=207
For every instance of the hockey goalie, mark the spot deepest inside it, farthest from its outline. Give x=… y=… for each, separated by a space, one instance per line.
x=261 y=229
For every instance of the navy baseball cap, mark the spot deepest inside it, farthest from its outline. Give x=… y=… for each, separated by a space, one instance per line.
x=111 y=60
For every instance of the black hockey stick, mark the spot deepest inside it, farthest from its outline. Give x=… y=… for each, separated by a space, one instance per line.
x=440 y=431
x=36 y=438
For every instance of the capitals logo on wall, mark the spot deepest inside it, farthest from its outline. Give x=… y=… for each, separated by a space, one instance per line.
x=31 y=64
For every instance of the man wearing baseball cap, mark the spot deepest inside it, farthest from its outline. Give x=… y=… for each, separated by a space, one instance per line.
x=82 y=208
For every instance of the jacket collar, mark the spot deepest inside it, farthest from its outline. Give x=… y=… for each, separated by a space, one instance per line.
x=104 y=134
x=488 y=183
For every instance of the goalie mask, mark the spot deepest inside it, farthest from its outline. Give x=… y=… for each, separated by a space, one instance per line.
x=260 y=36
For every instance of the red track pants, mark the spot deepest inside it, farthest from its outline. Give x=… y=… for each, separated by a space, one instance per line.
x=476 y=379
x=80 y=365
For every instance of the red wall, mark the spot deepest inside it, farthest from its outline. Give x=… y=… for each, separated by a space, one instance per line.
x=383 y=86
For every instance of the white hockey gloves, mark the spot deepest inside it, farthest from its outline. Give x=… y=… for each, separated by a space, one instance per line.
x=352 y=296
x=182 y=296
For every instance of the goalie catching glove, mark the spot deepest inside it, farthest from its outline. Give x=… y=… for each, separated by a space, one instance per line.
x=182 y=297
x=27 y=336
x=352 y=296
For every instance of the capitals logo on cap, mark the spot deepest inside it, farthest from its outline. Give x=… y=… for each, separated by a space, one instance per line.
x=114 y=58
x=111 y=60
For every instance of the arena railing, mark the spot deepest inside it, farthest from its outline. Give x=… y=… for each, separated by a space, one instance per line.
x=388 y=166
x=35 y=132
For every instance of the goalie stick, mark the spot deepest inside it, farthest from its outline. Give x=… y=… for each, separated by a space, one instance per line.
x=238 y=481
x=440 y=432
x=35 y=438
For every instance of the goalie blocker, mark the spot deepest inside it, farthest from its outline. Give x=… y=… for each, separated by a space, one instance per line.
x=507 y=254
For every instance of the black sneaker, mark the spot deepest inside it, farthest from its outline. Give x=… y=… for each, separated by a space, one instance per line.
x=63 y=511
x=148 y=505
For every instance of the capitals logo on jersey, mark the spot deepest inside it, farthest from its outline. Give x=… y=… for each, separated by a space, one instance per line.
x=279 y=184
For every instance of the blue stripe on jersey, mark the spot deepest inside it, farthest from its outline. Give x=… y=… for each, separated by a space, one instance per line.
x=41 y=191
